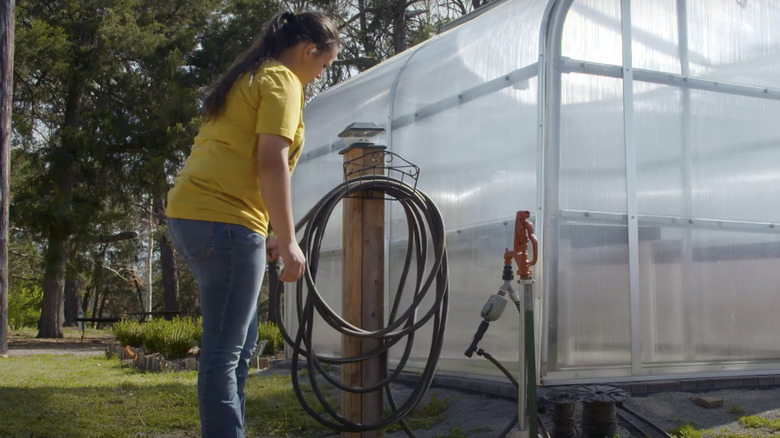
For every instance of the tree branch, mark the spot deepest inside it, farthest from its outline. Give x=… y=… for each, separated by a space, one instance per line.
x=126 y=235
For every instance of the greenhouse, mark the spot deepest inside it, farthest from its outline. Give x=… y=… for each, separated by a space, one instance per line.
x=644 y=138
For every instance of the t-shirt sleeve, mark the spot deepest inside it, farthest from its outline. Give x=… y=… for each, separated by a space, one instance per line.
x=280 y=104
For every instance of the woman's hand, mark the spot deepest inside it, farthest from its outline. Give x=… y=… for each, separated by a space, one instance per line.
x=272 y=249
x=294 y=261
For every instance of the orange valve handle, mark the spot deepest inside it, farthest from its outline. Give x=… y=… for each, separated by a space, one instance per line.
x=524 y=232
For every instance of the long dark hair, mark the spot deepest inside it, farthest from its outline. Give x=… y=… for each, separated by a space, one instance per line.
x=285 y=30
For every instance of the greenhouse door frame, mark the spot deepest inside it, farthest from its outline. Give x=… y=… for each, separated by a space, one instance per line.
x=552 y=66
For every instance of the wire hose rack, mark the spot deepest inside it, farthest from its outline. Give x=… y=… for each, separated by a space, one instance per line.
x=381 y=164
x=425 y=265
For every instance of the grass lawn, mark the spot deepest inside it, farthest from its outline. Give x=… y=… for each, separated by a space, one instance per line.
x=88 y=396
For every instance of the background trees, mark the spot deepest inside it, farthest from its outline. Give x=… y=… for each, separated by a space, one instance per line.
x=106 y=103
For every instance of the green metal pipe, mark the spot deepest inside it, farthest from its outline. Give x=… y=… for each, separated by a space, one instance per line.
x=530 y=357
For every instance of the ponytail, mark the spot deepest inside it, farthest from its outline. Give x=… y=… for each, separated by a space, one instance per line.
x=283 y=31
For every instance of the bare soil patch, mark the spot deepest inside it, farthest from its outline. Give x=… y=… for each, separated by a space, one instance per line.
x=25 y=344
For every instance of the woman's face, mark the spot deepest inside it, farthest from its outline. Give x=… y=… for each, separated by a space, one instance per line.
x=315 y=62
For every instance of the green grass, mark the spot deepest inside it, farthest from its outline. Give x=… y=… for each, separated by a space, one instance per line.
x=425 y=415
x=736 y=410
x=687 y=430
x=74 y=396
x=759 y=427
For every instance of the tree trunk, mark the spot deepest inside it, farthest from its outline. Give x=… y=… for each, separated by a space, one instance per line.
x=399 y=26
x=147 y=305
x=368 y=43
x=103 y=302
x=61 y=168
x=85 y=300
x=170 y=276
x=50 y=323
x=6 y=93
x=71 y=302
x=98 y=297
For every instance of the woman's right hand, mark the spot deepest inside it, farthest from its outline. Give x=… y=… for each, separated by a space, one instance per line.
x=294 y=261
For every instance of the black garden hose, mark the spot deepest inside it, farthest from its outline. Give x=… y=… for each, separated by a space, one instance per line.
x=426 y=240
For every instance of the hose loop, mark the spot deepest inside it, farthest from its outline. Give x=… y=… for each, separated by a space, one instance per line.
x=427 y=250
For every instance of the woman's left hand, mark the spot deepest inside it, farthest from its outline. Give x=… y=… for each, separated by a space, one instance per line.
x=272 y=248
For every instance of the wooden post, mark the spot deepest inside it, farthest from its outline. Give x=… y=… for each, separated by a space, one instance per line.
x=6 y=97
x=363 y=290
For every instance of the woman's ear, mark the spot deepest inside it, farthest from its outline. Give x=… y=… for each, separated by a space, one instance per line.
x=311 y=49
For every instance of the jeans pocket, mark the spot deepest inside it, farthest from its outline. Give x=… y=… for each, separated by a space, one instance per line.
x=192 y=238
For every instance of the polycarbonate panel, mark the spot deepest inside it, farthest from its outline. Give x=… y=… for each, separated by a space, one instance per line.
x=708 y=295
x=474 y=136
x=708 y=268
x=591 y=32
x=589 y=296
x=735 y=41
x=714 y=160
x=654 y=32
x=734 y=157
x=479 y=175
x=661 y=158
x=486 y=48
x=592 y=174
x=475 y=270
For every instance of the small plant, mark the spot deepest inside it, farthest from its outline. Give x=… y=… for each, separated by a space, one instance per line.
x=455 y=432
x=269 y=331
x=687 y=430
x=756 y=422
x=736 y=410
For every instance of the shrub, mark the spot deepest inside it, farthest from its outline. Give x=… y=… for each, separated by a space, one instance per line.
x=129 y=333
x=171 y=338
x=24 y=306
x=269 y=331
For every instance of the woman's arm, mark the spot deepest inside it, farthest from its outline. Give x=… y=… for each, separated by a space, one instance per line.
x=274 y=175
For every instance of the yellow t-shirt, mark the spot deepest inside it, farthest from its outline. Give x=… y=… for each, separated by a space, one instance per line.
x=219 y=180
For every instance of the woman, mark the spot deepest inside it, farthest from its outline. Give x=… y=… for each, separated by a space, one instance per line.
x=236 y=180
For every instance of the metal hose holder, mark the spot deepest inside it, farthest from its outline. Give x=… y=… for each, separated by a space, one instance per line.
x=375 y=162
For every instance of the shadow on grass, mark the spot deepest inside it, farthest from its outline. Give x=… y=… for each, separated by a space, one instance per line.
x=124 y=410
x=70 y=396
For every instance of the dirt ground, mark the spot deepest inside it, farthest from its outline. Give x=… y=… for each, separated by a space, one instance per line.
x=91 y=344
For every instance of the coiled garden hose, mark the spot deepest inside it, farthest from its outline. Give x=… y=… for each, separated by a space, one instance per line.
x=426 y=241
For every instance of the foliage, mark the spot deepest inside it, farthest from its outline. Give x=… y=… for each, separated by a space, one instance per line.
x=129 y=332
x=455 y=432
x=110 y=88
x=171 y=338
x=269 y=331
x=736 y=410
x=687 y=430
x=174 y=338
x=756 y=422
x=24 y=306
x=100 y=397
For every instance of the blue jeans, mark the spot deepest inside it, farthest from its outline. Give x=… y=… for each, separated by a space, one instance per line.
x=228 y=262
